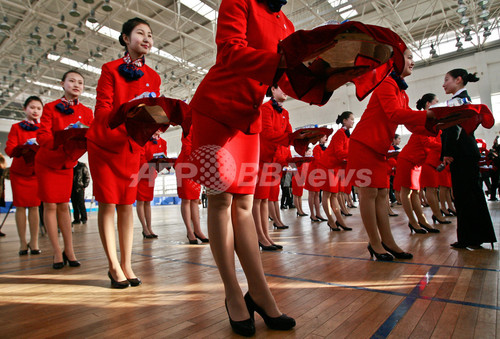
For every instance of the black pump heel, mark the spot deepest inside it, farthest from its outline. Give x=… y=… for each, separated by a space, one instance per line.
x=436 y=220
x=147 y=236
x=332 y=228
x=379 y=256
x=429 y=229
x=72 y=263
x=313 y=219
x=398 y=255
x=345 y=228
x=302 y=214
x=284 y=227
x=268 y=248
x=118 y=284
x=416 y=230
x=245 y=328
x=201 y=239
x=282 y=323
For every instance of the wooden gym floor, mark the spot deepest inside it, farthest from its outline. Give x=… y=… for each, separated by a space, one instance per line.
x=325 y=280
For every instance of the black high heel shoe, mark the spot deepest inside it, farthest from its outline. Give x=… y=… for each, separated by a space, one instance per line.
x=201 y=239
x=446 y=214
x=282 y=323
x=245 y=328
x=72 y=263
x=345 y=214
x=429 y=229
x=393 y=214
x=436 y=220
x=134 y=281
x=333 y=228
x=154 y=235
x=379 y=256
x=118 y=284
x=24 y=252
x=313 y=219
x=345 y=228
x=453 y=213
x=398 y=255
x=192 y=242
x=279 y=247
x=267 y=248
x=33 y=251
x=147 y=236
x=321 y=219
x=416 y=230
x=302 y=214
x=284 y=227
x=58 y=265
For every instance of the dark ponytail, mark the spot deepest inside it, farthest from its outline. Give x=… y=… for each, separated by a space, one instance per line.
x=129 y=26
x=341 y=117
x=466 y=76
x=424 y=100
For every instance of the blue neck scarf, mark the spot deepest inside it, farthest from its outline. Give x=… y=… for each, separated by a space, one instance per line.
x=275 y=5
x=154 y=141
x=130 y=70
x=276 y=106
x=65 y=105
x=28 y=126
x=400 y=81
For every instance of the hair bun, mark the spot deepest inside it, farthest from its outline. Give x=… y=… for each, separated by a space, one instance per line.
x=122 y=42
x=472 y=77
x=339 y=119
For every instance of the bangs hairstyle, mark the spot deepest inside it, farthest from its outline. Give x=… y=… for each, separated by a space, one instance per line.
x=30 y=99
x=72 y=71
x=424 y=100
x=129 y=26
x=466 y=76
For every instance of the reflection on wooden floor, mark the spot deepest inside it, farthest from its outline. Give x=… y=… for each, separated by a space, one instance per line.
x=323 y=279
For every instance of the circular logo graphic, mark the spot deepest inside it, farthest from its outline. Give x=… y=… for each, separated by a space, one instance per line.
x=216 y=168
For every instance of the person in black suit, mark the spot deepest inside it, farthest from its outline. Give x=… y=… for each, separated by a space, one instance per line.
x=460 y=151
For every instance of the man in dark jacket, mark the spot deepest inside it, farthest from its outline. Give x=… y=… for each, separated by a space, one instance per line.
x=81 y=179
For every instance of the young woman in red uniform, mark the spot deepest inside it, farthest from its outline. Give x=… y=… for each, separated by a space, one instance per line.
x=333 y=163
x=274 y=136
x=407 y=182
x=282 y=154
x=114 y=158
x=298 y=182
x=146 y=185
x=22 y=175
x=226 y=123
x=429 y=177
x=368 y=146
x=189 y=193
x=54 y=165
x=312 y=184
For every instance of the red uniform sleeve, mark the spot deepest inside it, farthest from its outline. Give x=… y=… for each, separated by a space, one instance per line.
x=232 y=45
x=45 y=137
x=12 y=140
x=105 y=92
x=396 y=111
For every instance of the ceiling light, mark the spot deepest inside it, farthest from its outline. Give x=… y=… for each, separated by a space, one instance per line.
x=484 y=14
x=68 y=50
x=91 y=59
x=30 y=54
x=4 y=25
x=92 y=18
x=107 y=6
x=68 y=40
x=467 y=30
x=486 y=24
x=74 y=11
x=482 y=3
x=98 y=53
x=23 y=59
x=89 y=1
x=464 y=20
x=79 y=30
x=468 y=37
x=4 y=33
x=38 y=46
x=74 y=47
x=51 y=34
x=31 y=40
x=459 y=44
x=486 y=33
x=61 y=23
x=460 y=2
x=433 y=51
x=36 y=33
x=461 y=9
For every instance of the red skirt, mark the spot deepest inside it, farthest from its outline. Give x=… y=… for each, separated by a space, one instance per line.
x=24 y=190
x=365 y=167
x=444 y=177
x=429 y=176
x=187 y=189
x=267 y=177
x=115 y=175
x=224 y=158
x=54 y=185
x=315 y=178
x=274 y=192
x=333 y=181
x=407 y=175
x=297 y=188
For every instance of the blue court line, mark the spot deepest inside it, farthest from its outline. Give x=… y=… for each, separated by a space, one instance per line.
x=433 y=270
x=386 y=328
